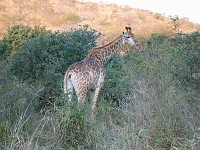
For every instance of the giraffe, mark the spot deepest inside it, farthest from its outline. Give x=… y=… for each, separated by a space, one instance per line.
x=87 y=76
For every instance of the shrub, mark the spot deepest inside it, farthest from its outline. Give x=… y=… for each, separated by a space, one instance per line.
x=45 y=58
x=189 y=47
x=144 y=85
x=5 y=50
x=52 y=53
x=118 y=85
x=17 y=35
x=114 y=88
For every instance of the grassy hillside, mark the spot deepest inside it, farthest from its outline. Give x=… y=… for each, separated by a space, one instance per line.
x=108 y=19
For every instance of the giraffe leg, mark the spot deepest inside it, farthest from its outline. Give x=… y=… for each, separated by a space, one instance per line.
x=81 y=95
x=96 y=94
x=94 y=99
x=81 y=99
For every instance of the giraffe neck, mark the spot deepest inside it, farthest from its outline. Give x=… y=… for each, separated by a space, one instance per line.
x=104 y=53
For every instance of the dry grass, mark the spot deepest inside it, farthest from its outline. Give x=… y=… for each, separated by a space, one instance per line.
x=61 y=15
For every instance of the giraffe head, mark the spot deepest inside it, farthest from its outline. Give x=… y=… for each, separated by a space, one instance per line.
x=128 y=37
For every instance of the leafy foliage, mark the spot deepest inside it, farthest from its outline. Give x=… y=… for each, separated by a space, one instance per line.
x=5 y=50
x=189 y=47
x=150 y=85
x=17 y=35
x=49 y=54
x=156 y=91
x=153 y=61
x=45 y=58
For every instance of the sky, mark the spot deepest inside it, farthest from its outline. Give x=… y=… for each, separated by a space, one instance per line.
x=182 y=8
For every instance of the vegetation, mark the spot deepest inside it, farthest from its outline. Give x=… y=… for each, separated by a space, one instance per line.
x=16 y=36
x=150 y=98
x=151 y=95
x=72 y=18
x=62 y=15
x=157 y=88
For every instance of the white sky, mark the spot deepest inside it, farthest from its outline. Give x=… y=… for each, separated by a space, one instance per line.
x=183 y=8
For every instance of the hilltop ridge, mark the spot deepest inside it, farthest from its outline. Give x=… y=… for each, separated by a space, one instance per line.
x=106 y=18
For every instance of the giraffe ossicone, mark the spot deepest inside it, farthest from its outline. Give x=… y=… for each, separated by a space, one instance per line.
x=87 y=76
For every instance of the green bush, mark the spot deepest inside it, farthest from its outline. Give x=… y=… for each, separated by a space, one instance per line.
x=117 y=85
x=189 y=47
x=5 y=50
x=145 y=85
x=51 y=54
x=15 y=37
x=45 y=58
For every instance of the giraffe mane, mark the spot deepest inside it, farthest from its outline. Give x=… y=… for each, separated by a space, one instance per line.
x=93 y=50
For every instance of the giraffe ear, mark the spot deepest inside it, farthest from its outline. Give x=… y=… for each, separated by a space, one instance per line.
x=128 y=29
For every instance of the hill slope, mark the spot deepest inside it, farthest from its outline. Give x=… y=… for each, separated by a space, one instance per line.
x=108 y=19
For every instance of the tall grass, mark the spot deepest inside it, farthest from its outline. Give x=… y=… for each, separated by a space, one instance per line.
x=145 y=104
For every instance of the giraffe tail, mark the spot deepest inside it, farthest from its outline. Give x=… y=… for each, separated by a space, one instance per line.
x=65 y=82
x=68 y=87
